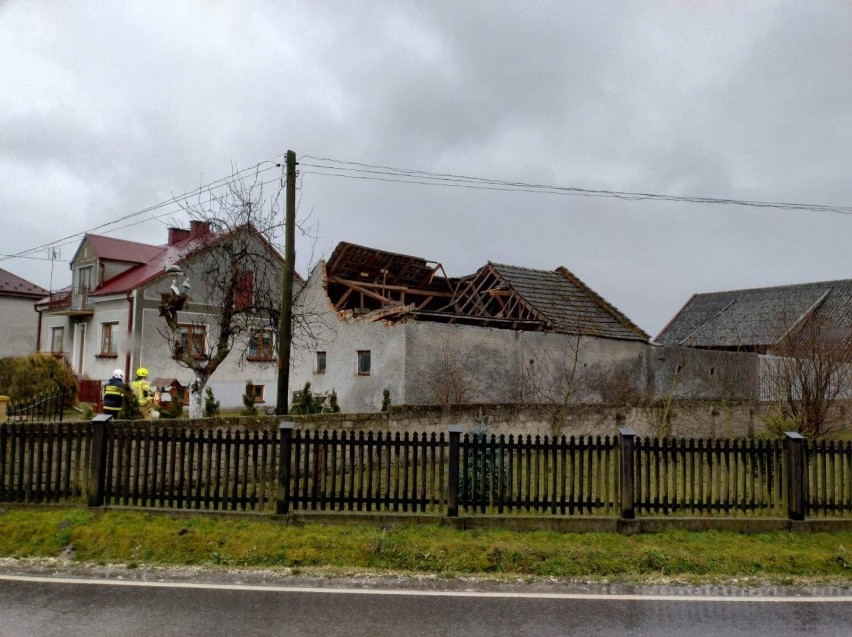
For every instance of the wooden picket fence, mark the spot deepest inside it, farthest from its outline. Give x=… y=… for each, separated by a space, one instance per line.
x=171 y=467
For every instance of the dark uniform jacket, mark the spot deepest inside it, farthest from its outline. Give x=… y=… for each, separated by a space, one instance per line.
x=113 y=398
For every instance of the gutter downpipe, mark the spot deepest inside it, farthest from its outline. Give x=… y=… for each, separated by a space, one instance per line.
x=129 y=334
x=38 y=329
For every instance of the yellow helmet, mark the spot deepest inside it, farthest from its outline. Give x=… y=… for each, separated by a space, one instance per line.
x=142 y=372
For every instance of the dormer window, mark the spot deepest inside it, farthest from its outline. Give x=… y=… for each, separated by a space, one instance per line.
x=84 y=279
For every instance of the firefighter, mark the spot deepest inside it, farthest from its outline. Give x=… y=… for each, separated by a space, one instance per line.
x=142 y=390
x=113 y=394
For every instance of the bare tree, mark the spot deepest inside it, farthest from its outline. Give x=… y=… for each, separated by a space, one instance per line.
x=554 y=377
x=452 y=382
x=808 y=371
x=232 y=285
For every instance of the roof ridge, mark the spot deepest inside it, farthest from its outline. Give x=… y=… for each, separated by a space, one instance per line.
x=521 y=267
x=116 y=239
x=779 y=287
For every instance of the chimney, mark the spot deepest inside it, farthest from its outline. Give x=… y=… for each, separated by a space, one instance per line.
x=176 y=235
x=198 y=228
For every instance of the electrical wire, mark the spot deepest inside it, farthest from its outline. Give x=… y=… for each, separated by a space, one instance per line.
x=338 y=168
x=176 y=199
x=378 y=172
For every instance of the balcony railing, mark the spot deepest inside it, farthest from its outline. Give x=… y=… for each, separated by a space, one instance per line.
x=71 y=300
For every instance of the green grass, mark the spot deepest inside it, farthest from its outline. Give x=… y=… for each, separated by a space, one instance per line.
x=135 y=538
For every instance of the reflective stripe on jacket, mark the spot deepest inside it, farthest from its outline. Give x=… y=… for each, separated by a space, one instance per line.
x=113 y=398
x=142 y=389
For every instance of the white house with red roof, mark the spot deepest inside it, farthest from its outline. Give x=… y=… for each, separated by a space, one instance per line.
x=109 y=317
x=18 y=322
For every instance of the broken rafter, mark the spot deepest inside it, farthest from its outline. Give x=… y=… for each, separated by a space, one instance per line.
x=473 y=296
x=358 y=287
x=381 y=286
x=343 y=298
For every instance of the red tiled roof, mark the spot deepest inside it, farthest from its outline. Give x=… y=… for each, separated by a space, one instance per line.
x=112 y=249
x=135 y=277
x=12 y=285
x=154 y=265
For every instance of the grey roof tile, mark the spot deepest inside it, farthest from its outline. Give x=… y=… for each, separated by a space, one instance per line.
x=757 y=317
x=569 y=304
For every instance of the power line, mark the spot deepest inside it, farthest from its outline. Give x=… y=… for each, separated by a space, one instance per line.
x=377 y=172
x=34 y=258
x=213 y=185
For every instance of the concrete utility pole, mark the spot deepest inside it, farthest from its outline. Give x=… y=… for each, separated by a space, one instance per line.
x=285 y=324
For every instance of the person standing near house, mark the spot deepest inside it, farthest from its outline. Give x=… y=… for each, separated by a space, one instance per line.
x=142 y=389
x=113 y=394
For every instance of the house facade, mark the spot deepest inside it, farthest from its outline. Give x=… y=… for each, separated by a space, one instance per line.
x=18 y=321
x=111 y=316
x=386 y=321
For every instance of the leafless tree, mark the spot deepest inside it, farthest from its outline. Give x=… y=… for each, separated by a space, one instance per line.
x=554 y=376
x=234 y=275
x=452 y=382
x=808 y=371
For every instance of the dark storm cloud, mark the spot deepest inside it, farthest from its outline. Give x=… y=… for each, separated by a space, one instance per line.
x=110 y=107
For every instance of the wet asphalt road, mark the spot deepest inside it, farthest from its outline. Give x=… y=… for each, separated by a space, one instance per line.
x=49 y=608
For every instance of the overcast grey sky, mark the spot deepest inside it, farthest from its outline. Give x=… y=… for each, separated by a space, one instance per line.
x=109 y=107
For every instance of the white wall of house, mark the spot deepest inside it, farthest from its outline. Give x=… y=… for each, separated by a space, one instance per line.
x=415 y=360
x=154 y=349
x=48 y=323
x=341 y=341
x=98 y=363
x=18 y=326
x=500 y=365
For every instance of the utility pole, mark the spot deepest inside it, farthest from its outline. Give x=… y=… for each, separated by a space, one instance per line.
x=285 y=324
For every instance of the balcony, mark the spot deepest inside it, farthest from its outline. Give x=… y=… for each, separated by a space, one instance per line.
x=71 y=302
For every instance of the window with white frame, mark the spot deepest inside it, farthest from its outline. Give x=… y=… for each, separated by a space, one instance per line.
x=320 y=366
x=57 y=338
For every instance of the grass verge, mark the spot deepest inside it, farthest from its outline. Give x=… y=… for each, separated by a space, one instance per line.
x=135 y=539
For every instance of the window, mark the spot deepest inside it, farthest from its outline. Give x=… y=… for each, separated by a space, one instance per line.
x=109 y=340
x=256 y=392
x=193 y=339
x=320 y=369
x=84 y=279
x=57 y=335
x=364 y=362
x=262 y=346
x=244 y=297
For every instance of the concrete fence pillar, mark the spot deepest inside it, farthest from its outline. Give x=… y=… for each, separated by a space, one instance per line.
x=453 y=486
x=794 y=445
x=4 y=406
x=285 y=443
x=628 y=444
x=97 y=459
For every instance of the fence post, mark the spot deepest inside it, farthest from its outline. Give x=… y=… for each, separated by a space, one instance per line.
x=628 y=443
x=453 y=486
x=795 y=459
x=97 y=459
x=4 y=405
x=282 y=500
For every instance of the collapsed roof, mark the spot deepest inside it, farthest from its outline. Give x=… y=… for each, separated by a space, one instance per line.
x=373 y=284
